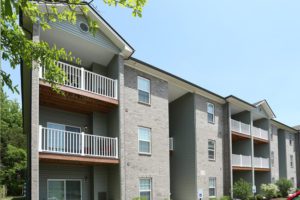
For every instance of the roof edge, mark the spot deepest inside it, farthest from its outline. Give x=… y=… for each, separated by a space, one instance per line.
x=178 y=78
x=282 y=124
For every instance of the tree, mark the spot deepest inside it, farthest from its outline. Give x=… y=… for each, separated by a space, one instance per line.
x=12 y=145
x=284 y=185
x=11 y=131
x=242 y=189
x=16 y=47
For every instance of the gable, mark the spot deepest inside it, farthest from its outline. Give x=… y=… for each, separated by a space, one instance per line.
x=99 y=39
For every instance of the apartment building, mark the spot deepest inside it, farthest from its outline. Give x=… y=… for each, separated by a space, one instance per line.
x=125 y=129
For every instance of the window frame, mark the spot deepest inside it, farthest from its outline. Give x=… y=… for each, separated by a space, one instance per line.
x=150 y=190
x=215 y=186
x=209 y=113
x=272 y=159
x=65 y=125
x=291 y=139
x=214 y=150
x=65 y=188
x=149 y=92
x=150 y=141
x=292 y=161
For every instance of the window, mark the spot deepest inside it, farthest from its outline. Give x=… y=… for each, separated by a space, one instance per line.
x=211 y=150
x=64 y=189
x=211 y=113
x=272 y=132
x=272 y=158
x=293 y=181
x=212 y=187
x=144 y=90
x=291 y=139
x=145 y=188
x=292 y=161
x=144 y=140
x=273 y=180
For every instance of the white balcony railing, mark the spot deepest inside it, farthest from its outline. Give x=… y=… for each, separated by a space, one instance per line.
x=241 y=160
x=240 y=127
x=260 y=133
x=86 y=80
x=261 y=162
x=72 y=143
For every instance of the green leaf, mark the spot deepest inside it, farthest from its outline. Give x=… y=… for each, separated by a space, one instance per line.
x=8 y=8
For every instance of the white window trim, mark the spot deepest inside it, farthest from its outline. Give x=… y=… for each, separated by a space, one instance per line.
x=64 y=125
x=64 y=180
x=291 y=139
x=215 y=178
x=140 y=77
x=215 y=146
x=213 y=105
x=150 y=142
x=292 y=161
x=272 y=158
x=145 y=178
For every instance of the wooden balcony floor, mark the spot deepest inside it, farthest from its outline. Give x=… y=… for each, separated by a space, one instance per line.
x=236 y=168
x=75 y=159
x=260 y=140
x=239 y=136
x=75 y=100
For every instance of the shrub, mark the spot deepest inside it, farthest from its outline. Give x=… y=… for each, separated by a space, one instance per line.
x=269 y=190
x=225 y=198
x=242 y=189
x=259 y=197
x=213 y=198
x=284 y=185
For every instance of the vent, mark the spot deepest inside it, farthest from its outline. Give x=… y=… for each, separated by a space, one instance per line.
x=84 y=27
x=171 y=144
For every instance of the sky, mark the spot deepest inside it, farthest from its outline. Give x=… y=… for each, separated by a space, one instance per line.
x=249 y=48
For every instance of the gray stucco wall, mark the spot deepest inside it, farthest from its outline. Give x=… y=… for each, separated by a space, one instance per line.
x=290 y=150
x=156 y=117
x=55 y=171
x=285 y=151
x=183 y=158
x=297 y=139
x=242 y=147
x=53 y=115
x=208 y=131
x=275 y=149
x=282 y=154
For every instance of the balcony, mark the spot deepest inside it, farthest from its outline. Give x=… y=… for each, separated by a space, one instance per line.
x=260 y=134
x=261 y=164
x=239 y=130
x=84 y=91
x=66 y=146
x=241 y=162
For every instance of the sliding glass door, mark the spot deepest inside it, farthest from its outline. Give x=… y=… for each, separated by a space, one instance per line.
x=64 y=189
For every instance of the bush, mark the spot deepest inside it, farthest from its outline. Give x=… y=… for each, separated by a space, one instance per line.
x=259 y=197
x=269 y=190
x=242 y=190
x=213 y=198
x=225 y=198
x=284 y=185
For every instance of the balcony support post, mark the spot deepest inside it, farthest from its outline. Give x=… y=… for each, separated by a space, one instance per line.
x=40 y=137
x=241 y=159
x=82 y=143
x=82 y=82
x=117 y=149
x=116 y=89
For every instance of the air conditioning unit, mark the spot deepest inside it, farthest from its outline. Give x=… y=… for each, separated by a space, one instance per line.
x=171 y=144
